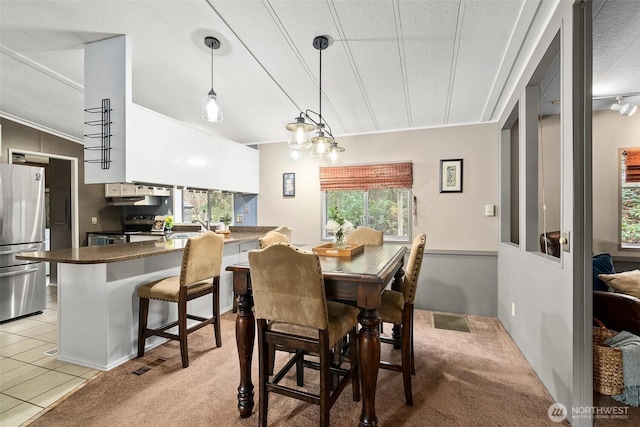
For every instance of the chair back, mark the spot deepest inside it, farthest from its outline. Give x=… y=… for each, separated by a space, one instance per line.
x=288 y=286
x=202 y=258
x=365 y=236
x=412 y=271
x=283 y=229
x=271 y=238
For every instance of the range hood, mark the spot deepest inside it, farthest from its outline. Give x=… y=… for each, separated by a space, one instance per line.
x=134 y=201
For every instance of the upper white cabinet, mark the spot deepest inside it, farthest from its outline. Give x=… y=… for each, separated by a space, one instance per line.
x=146 y=146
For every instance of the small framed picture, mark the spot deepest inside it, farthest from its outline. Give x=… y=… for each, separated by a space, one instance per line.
x=451 y=176
x=288 y=184
x=158 y=224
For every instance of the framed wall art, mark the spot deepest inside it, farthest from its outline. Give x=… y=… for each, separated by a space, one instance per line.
x=288 y=184
x=451 y=176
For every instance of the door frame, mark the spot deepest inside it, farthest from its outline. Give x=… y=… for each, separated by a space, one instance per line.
x=75 y=221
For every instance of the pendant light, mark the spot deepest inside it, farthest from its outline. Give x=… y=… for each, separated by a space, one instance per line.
x=211 y=107
x=323 y=145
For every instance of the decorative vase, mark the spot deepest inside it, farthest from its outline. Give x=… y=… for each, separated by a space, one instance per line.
x=339 y=242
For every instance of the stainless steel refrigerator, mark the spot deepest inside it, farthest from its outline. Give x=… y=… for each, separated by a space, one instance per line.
x=22 y=283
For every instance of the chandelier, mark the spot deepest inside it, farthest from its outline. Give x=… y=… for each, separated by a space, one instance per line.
x=323 y=145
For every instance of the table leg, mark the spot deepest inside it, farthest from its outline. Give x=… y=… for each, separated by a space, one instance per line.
x=396 y=285
x=369 y=360
x=245 y=336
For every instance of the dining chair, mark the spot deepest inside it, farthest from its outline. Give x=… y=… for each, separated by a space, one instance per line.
x=199 y=276
x=293 y=315
x=283 y=229
x=365 y=236
x=397 y=308
x=270 y=238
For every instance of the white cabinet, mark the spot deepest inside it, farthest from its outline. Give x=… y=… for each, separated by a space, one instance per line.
x=147 y=146
x=233 y=254
x=126 y=189
x=119 y=190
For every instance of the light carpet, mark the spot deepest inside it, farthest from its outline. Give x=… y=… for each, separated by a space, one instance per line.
x=463 y=379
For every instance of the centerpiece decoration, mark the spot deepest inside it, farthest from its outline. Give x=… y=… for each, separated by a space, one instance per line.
x=339 y=226
x=168 y=222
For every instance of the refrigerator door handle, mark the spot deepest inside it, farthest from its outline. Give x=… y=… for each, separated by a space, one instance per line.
x=15 y=273
x=27 y=249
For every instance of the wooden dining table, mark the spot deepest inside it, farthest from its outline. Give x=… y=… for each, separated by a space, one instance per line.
x=357 y=280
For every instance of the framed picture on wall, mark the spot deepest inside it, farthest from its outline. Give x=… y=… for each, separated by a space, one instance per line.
x=451 y=176
x=288 y=184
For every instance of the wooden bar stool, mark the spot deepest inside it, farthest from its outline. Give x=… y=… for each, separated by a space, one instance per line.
x=199 y=276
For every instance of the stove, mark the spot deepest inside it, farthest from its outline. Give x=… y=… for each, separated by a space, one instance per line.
x=138 y=223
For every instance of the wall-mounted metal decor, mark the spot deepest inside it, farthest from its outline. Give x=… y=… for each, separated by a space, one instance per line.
x=104 y=135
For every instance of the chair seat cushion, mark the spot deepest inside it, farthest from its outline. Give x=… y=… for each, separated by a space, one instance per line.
x=391 y=306
x=342 y=318
x=168 y=289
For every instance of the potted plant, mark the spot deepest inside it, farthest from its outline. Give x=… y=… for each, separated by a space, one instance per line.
x=226 y=220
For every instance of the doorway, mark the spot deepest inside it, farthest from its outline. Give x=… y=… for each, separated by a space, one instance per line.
x=61 y=198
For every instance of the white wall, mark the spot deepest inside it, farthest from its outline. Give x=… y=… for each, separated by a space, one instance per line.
x=540 y=287
x=452 y=221
x=611 y=131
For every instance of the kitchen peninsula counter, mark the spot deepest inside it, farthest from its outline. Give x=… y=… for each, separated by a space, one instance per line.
x=124 y=252
x=97 y=294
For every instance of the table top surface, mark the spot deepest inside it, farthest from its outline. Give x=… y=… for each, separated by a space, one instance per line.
x=374 y=264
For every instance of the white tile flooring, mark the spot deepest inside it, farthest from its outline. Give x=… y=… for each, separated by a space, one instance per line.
x=30 y=380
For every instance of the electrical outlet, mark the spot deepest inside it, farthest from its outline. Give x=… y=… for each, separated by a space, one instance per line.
x=239 y=219
x=94 y=220
x=513 y=309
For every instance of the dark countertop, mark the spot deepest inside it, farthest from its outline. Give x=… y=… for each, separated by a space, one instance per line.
x=124 y=252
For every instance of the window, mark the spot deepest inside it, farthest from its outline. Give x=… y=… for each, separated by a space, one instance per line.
x=382 y=209
x=630 y=198
x=206 y=205
x=375 y=195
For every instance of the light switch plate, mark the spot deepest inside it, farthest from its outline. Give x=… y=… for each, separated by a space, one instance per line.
x=246 y=208
x=94 y=220
x=489 y=210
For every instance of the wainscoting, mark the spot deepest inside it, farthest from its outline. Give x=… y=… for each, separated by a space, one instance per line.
x=459 y=282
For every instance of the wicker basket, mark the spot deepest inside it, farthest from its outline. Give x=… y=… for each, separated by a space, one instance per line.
x=607 y=363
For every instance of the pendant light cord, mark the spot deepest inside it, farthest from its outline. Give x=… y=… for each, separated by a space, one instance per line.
x=320 y=92
x=211 y=68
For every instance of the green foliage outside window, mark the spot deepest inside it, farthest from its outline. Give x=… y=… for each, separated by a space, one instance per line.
x=630 y=218
x=385 y=209
x=204 y=205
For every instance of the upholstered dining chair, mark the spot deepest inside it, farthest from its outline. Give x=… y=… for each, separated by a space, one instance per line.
x=365 y=236
x=270 y=238
x=283 y=229
x=293 y=314
x=397 y=308
x=199 y=276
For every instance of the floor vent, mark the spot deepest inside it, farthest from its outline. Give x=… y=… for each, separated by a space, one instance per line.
x=51 y=352
x=451 y=322
x=144 y=369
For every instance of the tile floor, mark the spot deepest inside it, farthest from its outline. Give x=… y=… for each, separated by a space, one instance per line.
x=31 y=380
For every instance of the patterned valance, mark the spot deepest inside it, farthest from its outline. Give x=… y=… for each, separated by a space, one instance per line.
x=632 y=165
x=366 y=177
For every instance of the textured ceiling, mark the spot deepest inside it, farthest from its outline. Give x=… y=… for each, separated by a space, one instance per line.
x=392 y=64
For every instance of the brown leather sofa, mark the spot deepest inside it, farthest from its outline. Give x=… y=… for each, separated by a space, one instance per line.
x=618 y=312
